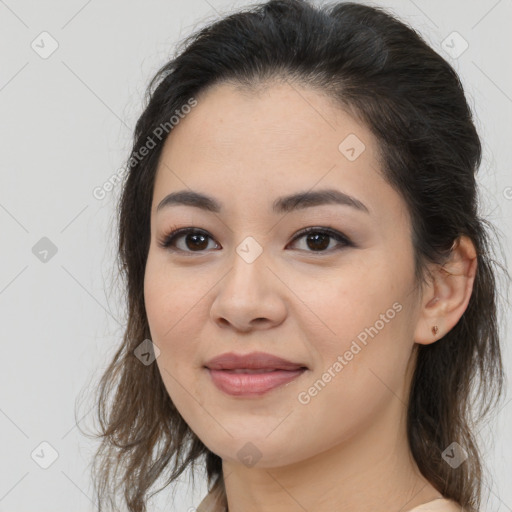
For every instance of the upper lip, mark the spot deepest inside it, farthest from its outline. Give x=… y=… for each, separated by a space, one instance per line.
x=252 y=361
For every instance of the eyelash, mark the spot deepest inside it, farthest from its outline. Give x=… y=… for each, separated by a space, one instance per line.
x=176 y=233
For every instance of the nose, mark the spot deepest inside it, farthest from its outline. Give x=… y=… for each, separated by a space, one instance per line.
x=249 y=296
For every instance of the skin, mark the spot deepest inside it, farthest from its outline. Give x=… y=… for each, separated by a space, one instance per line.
x=347 y=448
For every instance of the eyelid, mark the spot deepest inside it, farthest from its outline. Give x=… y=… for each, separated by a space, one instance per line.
x=175 y=233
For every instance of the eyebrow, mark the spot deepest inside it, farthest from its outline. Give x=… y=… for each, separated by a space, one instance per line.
x=281 y=205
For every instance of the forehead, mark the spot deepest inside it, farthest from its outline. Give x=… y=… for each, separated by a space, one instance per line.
x=240 y=145
x=274 y=118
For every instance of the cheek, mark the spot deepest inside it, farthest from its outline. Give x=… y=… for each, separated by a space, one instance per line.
x=173 y=310
x=344 y=303
x=362 y=374
x=360 y=333
x=168 y=297
x=172 y=331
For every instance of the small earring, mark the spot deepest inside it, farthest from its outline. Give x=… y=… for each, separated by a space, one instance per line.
x=434 y=330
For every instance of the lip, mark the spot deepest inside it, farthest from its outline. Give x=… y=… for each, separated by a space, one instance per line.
x=228 y=375
x=252 y=361
x=252 y=384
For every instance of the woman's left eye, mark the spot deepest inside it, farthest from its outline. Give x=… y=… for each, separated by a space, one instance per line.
x=196 y=240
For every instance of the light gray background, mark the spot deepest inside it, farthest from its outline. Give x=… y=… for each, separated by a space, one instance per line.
x=66 y=125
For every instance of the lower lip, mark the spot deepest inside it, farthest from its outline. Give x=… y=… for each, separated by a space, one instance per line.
x=252 y=384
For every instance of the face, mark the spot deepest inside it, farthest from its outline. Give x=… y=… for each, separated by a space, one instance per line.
x=339 y=301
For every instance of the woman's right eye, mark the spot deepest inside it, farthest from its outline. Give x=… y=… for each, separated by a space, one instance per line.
x=193 y=237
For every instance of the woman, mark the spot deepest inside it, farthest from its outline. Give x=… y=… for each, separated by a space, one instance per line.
x=310 y=290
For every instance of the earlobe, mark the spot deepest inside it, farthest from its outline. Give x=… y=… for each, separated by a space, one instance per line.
x=448 y=295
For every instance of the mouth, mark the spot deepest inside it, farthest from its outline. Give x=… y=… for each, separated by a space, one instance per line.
x=252 y=374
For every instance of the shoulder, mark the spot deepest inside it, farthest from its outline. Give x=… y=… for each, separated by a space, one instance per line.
x=439 y=505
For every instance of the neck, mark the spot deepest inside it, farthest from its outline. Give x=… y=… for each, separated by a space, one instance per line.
x=370 y=471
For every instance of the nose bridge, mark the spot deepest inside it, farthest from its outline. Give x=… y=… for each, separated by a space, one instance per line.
x=249 y=265
x=248 y=292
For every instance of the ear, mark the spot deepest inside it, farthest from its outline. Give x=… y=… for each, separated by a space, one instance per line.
x=447 y=296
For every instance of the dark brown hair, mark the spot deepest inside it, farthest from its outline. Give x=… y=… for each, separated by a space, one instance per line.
x=381 y=71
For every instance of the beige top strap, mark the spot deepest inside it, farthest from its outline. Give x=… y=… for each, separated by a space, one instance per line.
x=214 y=501
x=438 y=505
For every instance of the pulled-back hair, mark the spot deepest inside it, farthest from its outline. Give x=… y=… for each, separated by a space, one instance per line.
x=383 y=73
